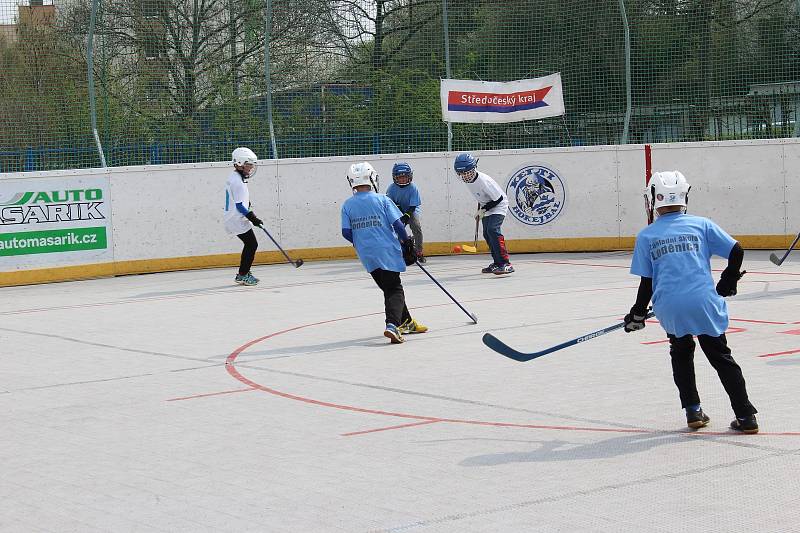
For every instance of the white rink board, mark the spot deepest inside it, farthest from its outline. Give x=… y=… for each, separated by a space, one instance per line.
x=55 y=221
x=175 y=211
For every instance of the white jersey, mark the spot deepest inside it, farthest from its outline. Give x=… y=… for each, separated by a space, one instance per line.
x=236 y=191
x=486 y=190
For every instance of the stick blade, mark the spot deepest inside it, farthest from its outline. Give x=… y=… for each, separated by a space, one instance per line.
x=298 y=263
x=504 y=349
x=775 y=259
x=468 y=248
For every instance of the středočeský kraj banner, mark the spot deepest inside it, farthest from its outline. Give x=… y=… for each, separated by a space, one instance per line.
x=493 y=101
x=55 y=222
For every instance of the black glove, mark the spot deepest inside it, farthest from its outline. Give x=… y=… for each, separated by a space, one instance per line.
x=405 y=218
x=409 y=254
x=634 y=321
x=253 y=218
x=727 y=282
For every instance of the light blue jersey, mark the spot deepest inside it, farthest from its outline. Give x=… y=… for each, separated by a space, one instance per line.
x=675 y=251
x=370 y=216
x=405 y=197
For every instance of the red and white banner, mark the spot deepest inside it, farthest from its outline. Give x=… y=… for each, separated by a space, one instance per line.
x=492 y=101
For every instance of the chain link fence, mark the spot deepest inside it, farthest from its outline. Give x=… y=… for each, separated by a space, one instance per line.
x=175 y=81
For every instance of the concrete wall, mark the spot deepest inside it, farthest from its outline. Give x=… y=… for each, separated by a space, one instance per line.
x=170 y=217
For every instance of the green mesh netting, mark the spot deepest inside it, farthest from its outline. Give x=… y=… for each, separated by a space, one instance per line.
x=186 y=80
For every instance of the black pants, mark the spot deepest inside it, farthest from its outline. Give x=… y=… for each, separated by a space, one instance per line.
x=248 y=252
x=394 y=299
x=681 y=349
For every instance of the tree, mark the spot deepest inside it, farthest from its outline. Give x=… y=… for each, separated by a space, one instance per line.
x=43 y=88
x=182 y=60
x=377 y=29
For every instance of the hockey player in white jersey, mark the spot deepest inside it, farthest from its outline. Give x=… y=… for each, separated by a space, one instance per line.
x=239 y=218
x=492 y=209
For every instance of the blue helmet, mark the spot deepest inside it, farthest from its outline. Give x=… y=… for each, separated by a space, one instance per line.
x=402 y=169
x=465 y=162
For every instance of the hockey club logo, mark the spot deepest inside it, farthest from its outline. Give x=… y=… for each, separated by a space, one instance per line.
x=536 y=194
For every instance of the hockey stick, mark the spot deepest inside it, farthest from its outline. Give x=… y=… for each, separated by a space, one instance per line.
x=471 y=315
x=475 y=241
x=504 y=349
x=779 y=262
x=648 y=171
x=297 y=264
x=474 y=248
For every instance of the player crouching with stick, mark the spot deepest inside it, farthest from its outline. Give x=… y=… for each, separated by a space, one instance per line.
x=492 y=209
x=371 y=221
x=672 y=256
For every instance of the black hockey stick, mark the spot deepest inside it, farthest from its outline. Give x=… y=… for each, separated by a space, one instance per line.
x=471 y=315
x=779 y=262
x=297 y=264
x=504 y=349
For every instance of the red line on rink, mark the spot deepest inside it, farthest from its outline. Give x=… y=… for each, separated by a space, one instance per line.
x=758 y=321
x=727 y=332
x=210 y=394
x=779 y=353
x=390 y=428
x=234 y=372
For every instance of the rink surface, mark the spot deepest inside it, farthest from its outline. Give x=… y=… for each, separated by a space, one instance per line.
x=183 y=402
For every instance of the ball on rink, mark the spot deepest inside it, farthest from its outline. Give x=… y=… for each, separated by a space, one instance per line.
x=457 y=249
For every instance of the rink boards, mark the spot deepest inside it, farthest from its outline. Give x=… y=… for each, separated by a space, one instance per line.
x=77 y=224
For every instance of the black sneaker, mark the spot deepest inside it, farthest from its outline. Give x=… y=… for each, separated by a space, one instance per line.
x=503 y=270
x=696 y=419
x=747 y=424
x=490 y=269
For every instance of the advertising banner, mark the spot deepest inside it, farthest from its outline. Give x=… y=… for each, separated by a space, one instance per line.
x=55 y=221
x=489 y=101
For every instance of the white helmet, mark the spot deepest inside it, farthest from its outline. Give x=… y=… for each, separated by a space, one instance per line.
x=362 y=174
x=666 y=188
x=242 y=156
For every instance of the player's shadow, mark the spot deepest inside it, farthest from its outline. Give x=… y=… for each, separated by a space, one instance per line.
x=229 y=287
x=789 y=361
x=767 y=294
x=561 y=450
x=444 y=279
x=351 y=268
x=253 y=356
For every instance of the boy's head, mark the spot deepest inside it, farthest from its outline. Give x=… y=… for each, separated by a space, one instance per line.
x=362 y=176
x=667 y=192
x=245 y=161
x=466 y=167
x=402 y=174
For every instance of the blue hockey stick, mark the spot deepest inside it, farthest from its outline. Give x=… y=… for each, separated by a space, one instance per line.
x=504 y=349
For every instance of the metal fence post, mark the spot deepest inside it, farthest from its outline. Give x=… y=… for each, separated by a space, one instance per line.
x=628 y=98
x=447 y=68
x=268 y=75
x=90 y=75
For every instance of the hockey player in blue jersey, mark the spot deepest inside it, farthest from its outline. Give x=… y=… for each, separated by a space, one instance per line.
x=405 y=195
x=371 y=221
x=672 y=256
